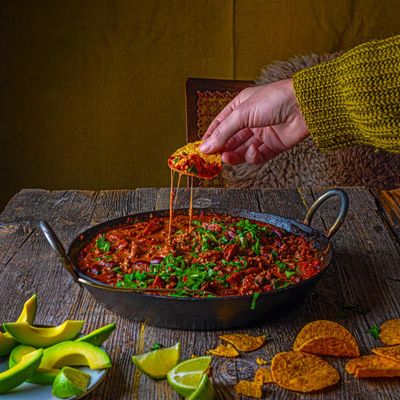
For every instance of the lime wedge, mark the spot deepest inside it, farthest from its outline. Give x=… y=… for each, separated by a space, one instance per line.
x=205 y=390
x=185 y=377
x=157 y=363
x=70 y=382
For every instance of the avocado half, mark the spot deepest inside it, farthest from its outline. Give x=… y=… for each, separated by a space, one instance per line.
x=98 y=336
x=43 y=337
x=41 y=376
x=28 y=313
x=74 y=353
x=16 y=375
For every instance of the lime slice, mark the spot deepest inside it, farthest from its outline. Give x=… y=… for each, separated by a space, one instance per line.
x=70 y=382
x=157 y=363
x=186 y=376
x=205 y=390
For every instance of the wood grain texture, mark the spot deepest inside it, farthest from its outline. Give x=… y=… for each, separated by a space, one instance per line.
x=365 y=271
x=390 y=202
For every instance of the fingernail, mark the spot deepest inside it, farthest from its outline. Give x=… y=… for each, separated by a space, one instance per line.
x=204 y=147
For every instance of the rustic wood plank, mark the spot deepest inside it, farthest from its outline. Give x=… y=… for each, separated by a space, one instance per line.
x=390 y=203
x=365 y=271
x=59 y=298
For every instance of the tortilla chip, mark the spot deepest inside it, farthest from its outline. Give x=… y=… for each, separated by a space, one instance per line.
x=222 y=350
x=327 y=338
x=392 y=352
x=302 y=372
x=263 y=375
x=332 y=346
x=249 y=388
x=244 y=342
x=189 y=160
x=373 y=366
x=261 y=361
x=390 y=332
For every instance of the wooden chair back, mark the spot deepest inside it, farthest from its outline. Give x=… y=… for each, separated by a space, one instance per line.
x=205 y=98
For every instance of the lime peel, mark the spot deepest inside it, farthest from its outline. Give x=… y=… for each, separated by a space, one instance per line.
x=186 y=377
x=205 y=390
x=157 y=363
x=70 y=382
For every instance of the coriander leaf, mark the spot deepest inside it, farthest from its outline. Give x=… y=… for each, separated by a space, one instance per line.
x=374 y=331
x=289 y=273
x=281 y=265
x=156 y=346
x=256 y=295
x=192 y=169
x=102 y=244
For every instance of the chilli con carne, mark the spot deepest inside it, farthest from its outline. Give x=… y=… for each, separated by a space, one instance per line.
x=219 y=254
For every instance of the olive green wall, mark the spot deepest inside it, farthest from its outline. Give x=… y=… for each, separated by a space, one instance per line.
x=92 y=92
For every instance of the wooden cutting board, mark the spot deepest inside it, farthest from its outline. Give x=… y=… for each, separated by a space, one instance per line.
x=390 y=202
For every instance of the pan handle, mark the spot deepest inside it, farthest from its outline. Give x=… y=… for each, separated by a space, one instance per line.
x=344 y=207
x=58 y=248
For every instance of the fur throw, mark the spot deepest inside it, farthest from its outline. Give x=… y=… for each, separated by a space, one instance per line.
x=305 y=165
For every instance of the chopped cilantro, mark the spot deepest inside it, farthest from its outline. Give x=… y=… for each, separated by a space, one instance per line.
x=281 y=265
x=374 y=331
x=289 y=273
x=192 y=169
x=102 y=244
x=156 y=346
x=256 y=295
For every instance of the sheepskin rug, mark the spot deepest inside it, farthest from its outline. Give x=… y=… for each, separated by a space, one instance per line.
x=305 y=165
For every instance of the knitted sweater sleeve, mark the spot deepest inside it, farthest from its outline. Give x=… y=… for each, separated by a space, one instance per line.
x=355 y=98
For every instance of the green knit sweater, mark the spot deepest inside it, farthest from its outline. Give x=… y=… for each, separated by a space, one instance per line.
x=355 y=98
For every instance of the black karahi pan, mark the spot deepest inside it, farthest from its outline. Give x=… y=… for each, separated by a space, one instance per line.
x=202 y=313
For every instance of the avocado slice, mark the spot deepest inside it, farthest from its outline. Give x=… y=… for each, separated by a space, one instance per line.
x=41 y=376
x=98 y=336
x=28 y=313
x=73 y=353
x=43 y=337
x=16 y=375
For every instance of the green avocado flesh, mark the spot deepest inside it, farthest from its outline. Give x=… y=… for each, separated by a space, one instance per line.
x=43 y=337
x=41 y=376
x=16 y=375
x=98 y=336
x=28 y=313
x=73 y=353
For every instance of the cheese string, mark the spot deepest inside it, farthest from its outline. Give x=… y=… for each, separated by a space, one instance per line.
x=177 y=188
x=171 y=209
x=191 y=203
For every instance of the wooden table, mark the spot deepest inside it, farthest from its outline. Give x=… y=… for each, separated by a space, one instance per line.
x=365 y=272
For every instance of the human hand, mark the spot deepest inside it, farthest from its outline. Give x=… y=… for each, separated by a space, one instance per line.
x=257 y=125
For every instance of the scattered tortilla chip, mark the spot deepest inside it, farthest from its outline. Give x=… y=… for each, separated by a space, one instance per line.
x=263 y=375
x=189 y=160
x=390 y=332
x=331 y=346
x=326 y=338
x=222 y=350
x=261 y=361
x=392 y=352
x=244 y=342
x=249 y=388
x=302 y=372
x=373 y=366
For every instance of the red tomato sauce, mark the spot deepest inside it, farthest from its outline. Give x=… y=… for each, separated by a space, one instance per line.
x=194 y=165
x=221 y=255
